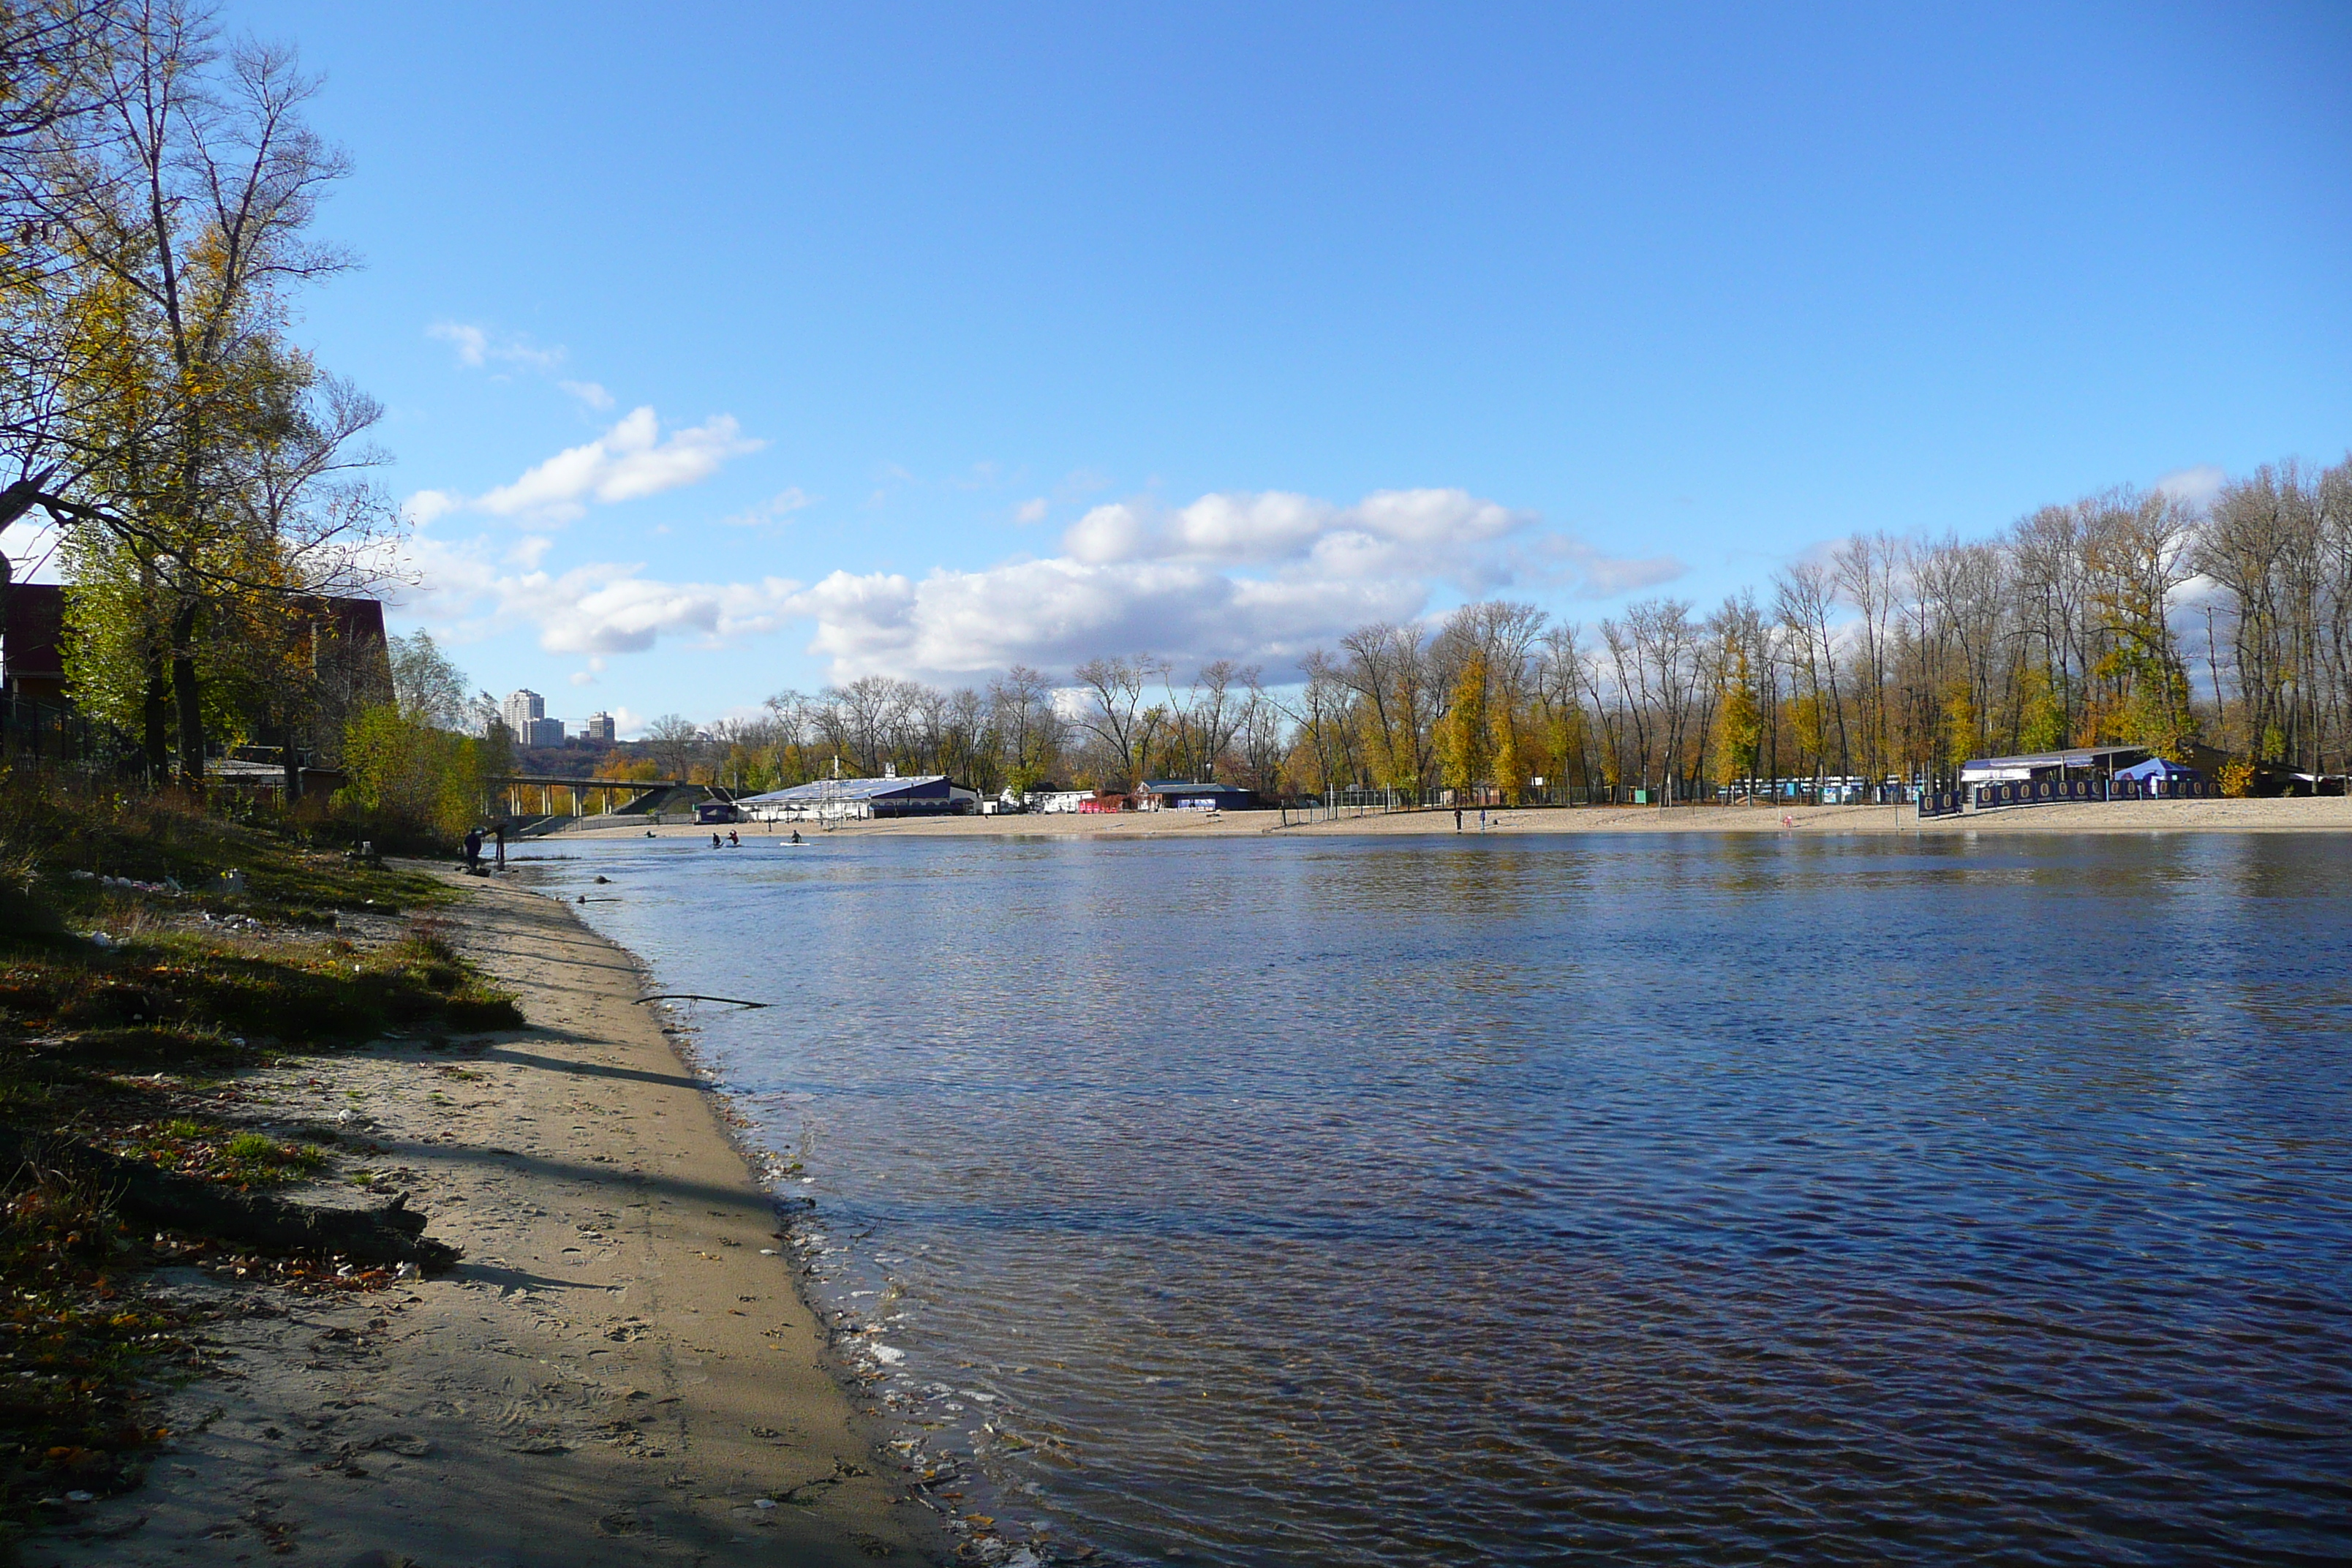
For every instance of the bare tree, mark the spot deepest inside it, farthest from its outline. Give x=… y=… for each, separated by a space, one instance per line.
x=1027 y=725
x=1113 y=689
x=675 y=740
x=1388 y=666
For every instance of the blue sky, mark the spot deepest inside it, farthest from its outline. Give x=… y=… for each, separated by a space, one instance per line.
x=732 y=350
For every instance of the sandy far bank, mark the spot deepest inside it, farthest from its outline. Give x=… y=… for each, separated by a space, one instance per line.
x=619 y=1371
x=2329 y=815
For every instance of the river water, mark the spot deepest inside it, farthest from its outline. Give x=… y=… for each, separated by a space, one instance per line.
x=1644 y=1199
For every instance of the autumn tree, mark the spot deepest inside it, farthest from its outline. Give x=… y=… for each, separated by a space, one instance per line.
x=1738 y=721
x=428 y=689
x=200 y=446
x=1467 y=736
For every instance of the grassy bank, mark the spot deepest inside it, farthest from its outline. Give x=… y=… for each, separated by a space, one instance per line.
x=149 y=952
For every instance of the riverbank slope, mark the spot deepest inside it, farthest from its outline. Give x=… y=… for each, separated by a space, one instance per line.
x=621 y=1372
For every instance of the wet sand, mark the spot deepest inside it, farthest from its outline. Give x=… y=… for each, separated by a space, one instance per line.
x=619 y=1372
x=2330 y=814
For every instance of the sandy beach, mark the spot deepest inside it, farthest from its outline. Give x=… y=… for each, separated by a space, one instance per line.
x=2325 y=814
x=622 y=1371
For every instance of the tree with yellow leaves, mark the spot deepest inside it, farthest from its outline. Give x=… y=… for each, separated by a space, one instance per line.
x=1465 y=745
x=205 y=470
x=1739 y=723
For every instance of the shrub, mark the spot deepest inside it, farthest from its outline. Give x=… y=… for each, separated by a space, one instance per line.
x=409 y=783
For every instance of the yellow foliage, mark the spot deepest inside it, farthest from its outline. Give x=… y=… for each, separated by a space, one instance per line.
x=1466 y=741
x=408 y=777
x=1739 y=725
x=621 y=767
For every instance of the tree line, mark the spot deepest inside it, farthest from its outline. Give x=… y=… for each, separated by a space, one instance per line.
x=2128 y=617
x=158 y=192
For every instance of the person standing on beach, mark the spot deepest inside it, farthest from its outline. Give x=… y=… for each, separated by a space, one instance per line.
x=499 y=833
x=473 y=848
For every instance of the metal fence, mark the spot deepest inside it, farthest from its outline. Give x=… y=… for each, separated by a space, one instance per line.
x=2061 y=792
x=59 y=735
x=1761 y=793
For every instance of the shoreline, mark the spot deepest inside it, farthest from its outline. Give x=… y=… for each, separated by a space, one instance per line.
x=2330 y=814
x=621 y=1371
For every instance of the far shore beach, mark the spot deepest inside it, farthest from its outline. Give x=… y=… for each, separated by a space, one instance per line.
x=2331 y=814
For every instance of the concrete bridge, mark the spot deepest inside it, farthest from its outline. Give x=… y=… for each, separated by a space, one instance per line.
x=547 y=795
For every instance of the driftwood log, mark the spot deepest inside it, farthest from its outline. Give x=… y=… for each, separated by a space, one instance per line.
x=391 y=1233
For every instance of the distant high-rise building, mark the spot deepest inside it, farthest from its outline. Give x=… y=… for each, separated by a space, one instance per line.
x=543 y=732
x=518 y=710
x=601 y=727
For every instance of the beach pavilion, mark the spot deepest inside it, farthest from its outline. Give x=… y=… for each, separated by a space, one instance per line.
x=1181 y=795
x=850 y=800
x=2160 y=776
x=2082 y=762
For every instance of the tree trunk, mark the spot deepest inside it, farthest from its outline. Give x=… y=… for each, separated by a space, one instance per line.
x=156 y=724
x=185 y=698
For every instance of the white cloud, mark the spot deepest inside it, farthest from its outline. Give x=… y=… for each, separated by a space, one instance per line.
x=1031 y=511
x=589 y=392
x=1431 y=530
x=426 y=505
x=777 y=510
x=1265 y=577
x=473 y=344
x=600 y=608
x=611 y=610
x=1260 y=577
x=2197 y=486
x=1058 y=612
x=629 y=461
x=476 y=347
x=1585 y=572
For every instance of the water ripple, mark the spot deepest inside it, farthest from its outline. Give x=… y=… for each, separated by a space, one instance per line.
x=1624 y=1200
